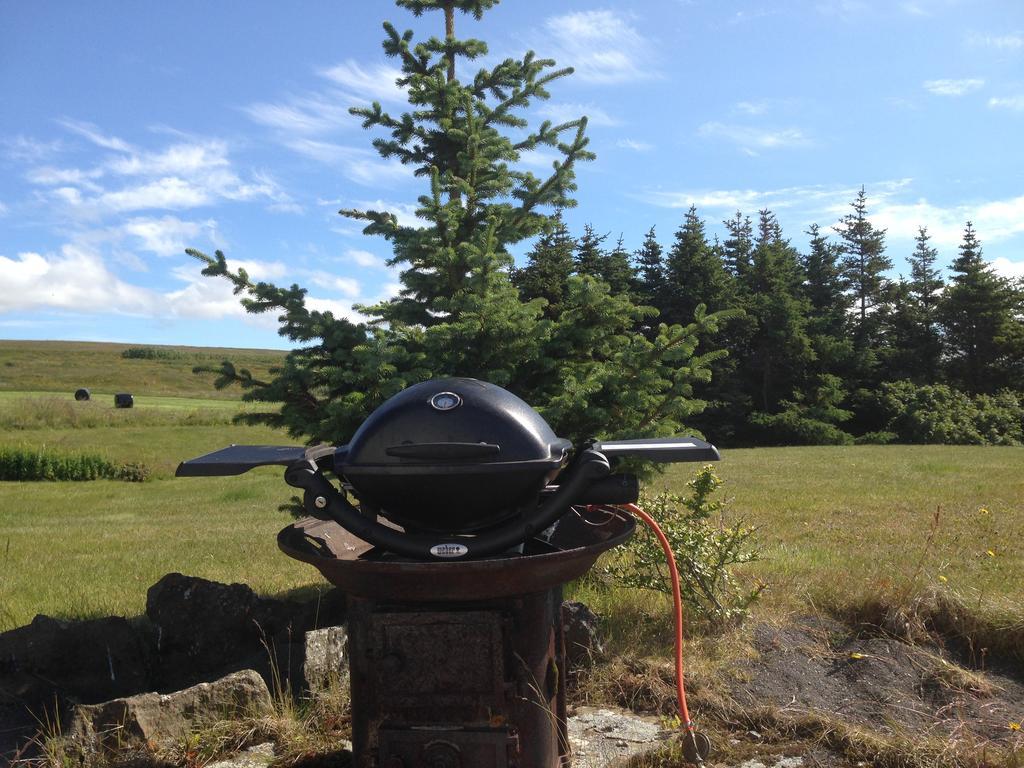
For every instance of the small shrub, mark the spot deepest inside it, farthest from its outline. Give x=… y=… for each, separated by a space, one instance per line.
x=877 y=438
x=811 y=418
x=151 y=353
x=706 y=549
x=26 y=464
x=937 y=413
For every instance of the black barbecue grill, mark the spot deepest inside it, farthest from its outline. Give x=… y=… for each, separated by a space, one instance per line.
x=456 y=468
x=451 y=520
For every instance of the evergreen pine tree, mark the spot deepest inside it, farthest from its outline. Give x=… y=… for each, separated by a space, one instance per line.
x=458 y=312
x=549 y=264
x=619 y=272
x=738 y=246
x=924 y=288
x=863 y=262
x=828 y=305
x=694 y=273
x=651 y=272
x=976 y=313
x=780 y=349
x=903 y=350
x=590 y=255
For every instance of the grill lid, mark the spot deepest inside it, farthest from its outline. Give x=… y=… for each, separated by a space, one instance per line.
x=452 y=426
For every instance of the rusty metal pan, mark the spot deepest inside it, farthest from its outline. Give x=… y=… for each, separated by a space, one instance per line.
x=567 y=551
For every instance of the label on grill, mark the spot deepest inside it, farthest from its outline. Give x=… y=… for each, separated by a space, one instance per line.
x=449 y=550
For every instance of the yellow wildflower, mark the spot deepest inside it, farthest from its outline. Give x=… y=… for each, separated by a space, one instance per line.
x=856 y=655
x=983 y=510
x=991 y=553
x=1014 y=726
x=942 y=578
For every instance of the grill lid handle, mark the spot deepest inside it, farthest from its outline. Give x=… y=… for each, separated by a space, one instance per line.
x=660 y=449
x=443 y=451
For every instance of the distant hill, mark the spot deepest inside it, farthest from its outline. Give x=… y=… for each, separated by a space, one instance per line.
x=141 y=369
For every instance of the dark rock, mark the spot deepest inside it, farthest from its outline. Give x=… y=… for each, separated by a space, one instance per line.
x=582 y=634
x=152 y=718
x=83 y=661
x=204 y=627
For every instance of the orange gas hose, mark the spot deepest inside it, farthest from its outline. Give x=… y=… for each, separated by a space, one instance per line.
x=677 y=600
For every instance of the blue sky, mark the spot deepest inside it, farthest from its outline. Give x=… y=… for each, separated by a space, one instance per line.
x=131 y=130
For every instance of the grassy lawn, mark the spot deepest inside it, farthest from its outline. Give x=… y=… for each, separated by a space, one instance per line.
x=64 y=366
x=836 y=524
x=840 y=523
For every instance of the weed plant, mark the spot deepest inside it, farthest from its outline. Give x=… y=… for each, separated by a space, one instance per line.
x=31 y=464
x=706 y=548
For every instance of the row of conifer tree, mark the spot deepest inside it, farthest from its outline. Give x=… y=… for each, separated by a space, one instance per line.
x=825 y=345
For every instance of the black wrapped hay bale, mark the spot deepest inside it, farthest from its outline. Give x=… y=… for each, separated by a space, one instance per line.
x=123 y=400
x=82 y=394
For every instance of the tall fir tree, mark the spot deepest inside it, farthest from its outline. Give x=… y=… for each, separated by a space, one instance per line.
x=590 y=255
x=548 y=267
x=902 y=348
x=651 y=272
x=863 y=262
x=694 y=273
x=738 y=246
x=828 y=305
x=780 y=349
x=977 y=315
x=925 y=288
x=619 y=272
x=458 y=312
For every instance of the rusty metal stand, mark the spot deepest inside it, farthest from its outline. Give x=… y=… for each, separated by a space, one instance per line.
x=471 y=685
x=457 y=664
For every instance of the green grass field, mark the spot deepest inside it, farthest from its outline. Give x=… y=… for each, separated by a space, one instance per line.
x=64 y=366
x=836 y=524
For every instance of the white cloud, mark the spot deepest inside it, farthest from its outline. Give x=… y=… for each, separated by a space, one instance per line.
x=190 y=159
x=751 y=138
x=76 y=280
x=179 y=176
x=636 y=146
x=564 y=112
x=602 y=46
x=752 y=108
x=845 y=10
x=167 y=236
x=308 y=115
x=4 y=210
x=93 y=134
x=1013 y=41
x=373 y=82
x=347 y=286
x=953 y=87
x=888 y=208
x=361 y=165
x=364 y=259
x=815 y=197
x=1015 y=103
x=1007 y=268
x=166 y=193
x=49 y=176
x=539 y=158
x=25 y=149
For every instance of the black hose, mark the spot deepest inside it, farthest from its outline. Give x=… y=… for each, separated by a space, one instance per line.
x=589 y=467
